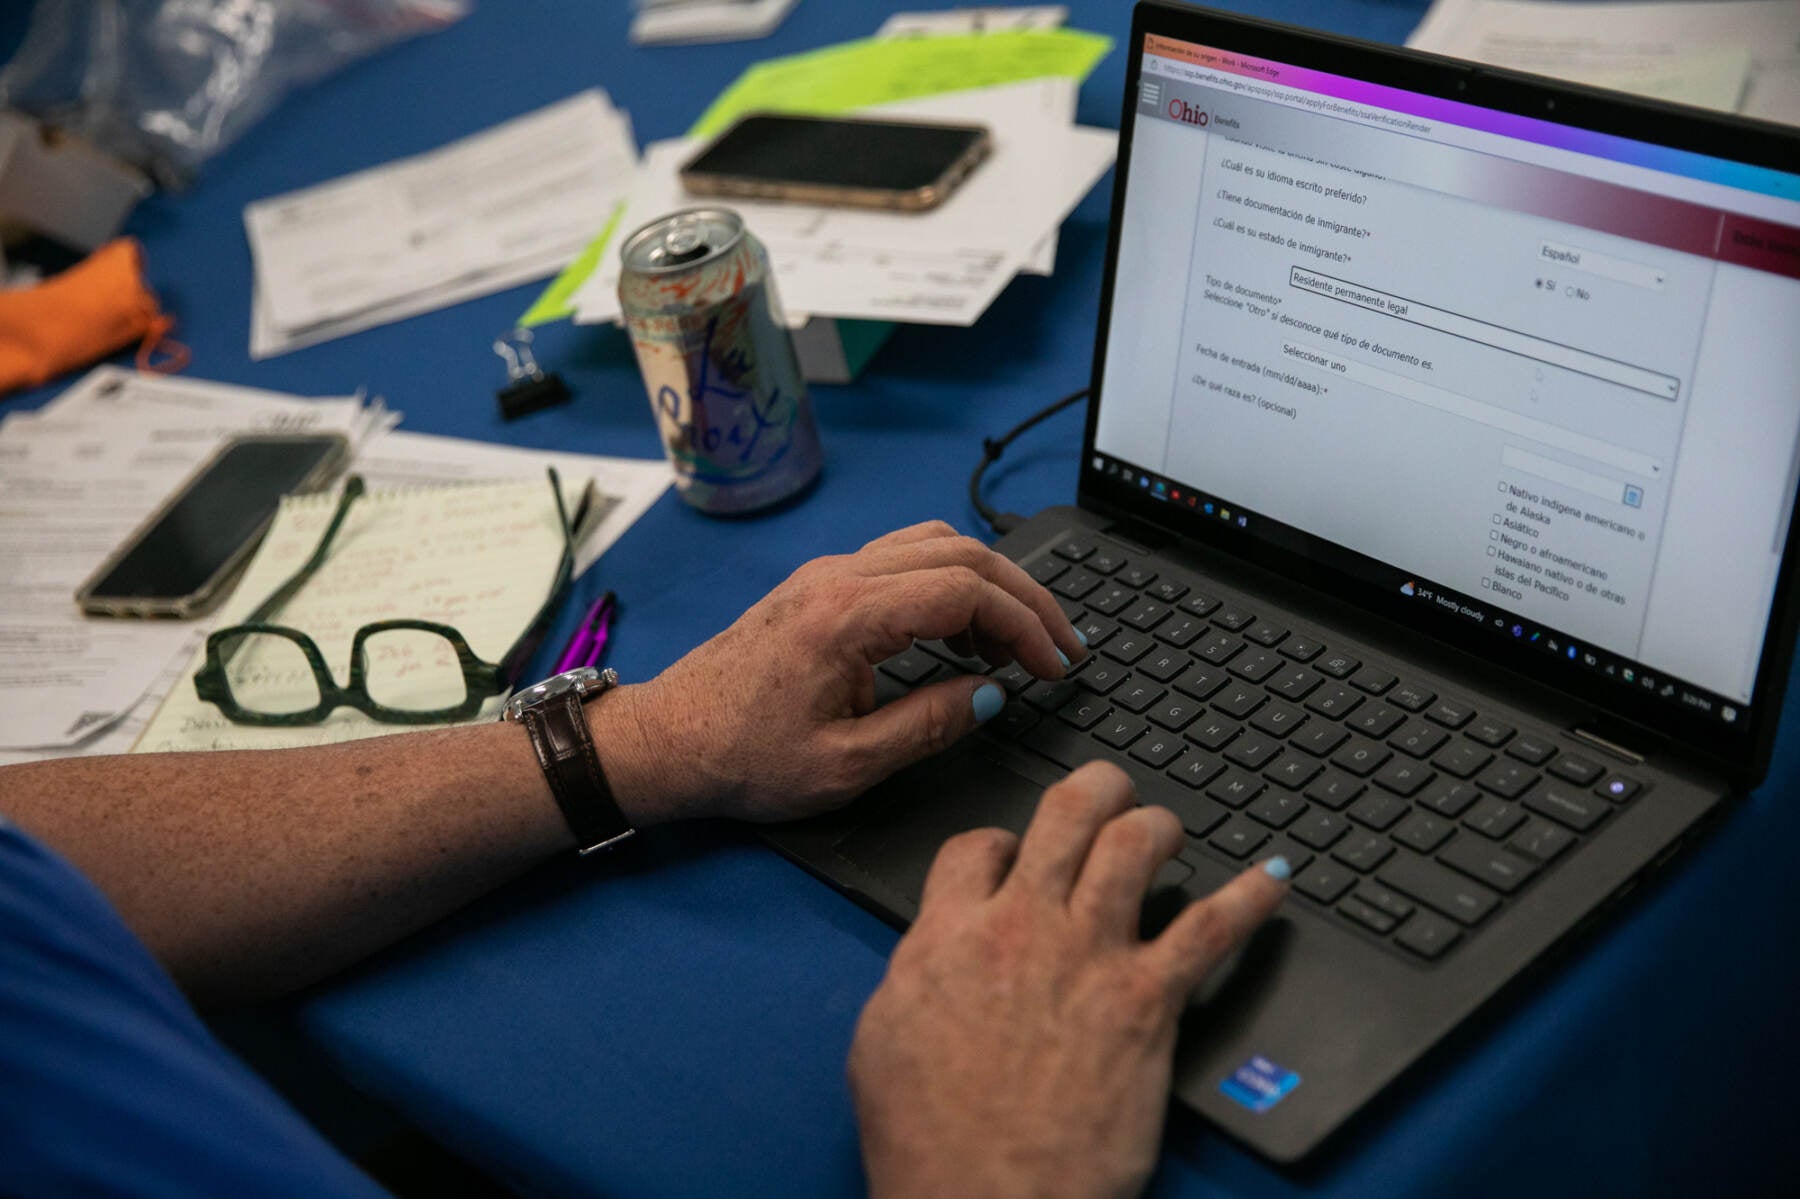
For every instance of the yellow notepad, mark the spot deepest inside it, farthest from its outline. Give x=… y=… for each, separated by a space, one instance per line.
x=480 y=558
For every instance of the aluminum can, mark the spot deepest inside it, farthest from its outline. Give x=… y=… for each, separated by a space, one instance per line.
x=718 y=364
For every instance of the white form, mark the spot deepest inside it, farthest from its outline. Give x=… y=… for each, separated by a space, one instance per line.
x=487 y=212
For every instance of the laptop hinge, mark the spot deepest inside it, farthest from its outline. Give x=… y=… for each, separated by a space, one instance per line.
x=1133 y=535
x=1612 y=747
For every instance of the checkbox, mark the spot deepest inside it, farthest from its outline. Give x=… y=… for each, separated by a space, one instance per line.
x=1496 y=518
x=1503 y=487
x=1492 y=551
x=1487 y=583
x=1494 y=535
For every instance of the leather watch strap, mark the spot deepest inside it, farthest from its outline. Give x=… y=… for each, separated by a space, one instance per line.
x=565 y=750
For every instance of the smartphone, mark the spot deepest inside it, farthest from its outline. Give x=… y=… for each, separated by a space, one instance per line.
x=179 y=561
x=905 y=165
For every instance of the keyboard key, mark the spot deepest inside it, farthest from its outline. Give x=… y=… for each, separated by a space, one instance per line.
x=1168 y=590
x=1238 y=837
x=1012 y=722
x=1265 y=632
x=1076 y=584
x=1377 y=720
x=1201 y=681
x=1367 y=915
x=1334 y=701
x=1110 y=598
x=1253 y=751
x=1542 y=840
x=1277 y=808
x=1278 y=717
x=1319 y=829
x=1377 y=810
x=1488 y=863
x=1164 y=664
x=1046 y=570
x=1437 y=887
x=1319 y=738
x=1295 y=683
x=1362 y=851
x=1324 y=881
x=911 y=666
x=1095 y=628
x=1373 y=680
x=1213 y=731
x=1070 y=608
x=1128 y=647
x=1239 y=699
x=1174 y=713
x=1618 y=788
x=1119 y=730
x=1136 y=575
x=1576 y=770
x=1198 y=815
x=1411 y=696
x=1491 y=732
x=1334 y=790
x=1235 y=788
x=1451 y=713
x=1083 y=712
x=1146 y=614
x=1180 y=631
x=1255 y=665
x=1532 y=749
x=1074 y=547
x=1137 y=695
x=1298 y=856
x=1508 y=779
x=1061 y=744
x=1378 y=896
x=1462 y=759
x=1338 y=666
x=1495 y=817
x=1196 y=769
x=1234 y=618
x=1105 y=561
x=1217 y=648
x=1428 y=936
x=1198 y=604
x=1293 y=770
x=1404 y=777
x=1579 y=810
x=1014 y=678
x=1301 y=649
x=1418 y=738
x=1158 y=749
x=1423 y=831
x=950 y=657
x=1361 y=756
x=1100 y=676
x=1450 y=797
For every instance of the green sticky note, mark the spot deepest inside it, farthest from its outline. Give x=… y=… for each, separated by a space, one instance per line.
x=554 y=304
x=857 y=74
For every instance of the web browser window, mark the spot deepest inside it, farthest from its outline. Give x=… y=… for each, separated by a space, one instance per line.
x=1527 y=364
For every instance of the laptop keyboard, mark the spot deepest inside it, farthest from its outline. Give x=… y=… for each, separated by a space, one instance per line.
x=1407 y=814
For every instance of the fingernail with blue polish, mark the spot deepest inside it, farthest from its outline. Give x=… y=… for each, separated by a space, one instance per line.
x=1080 y=636
x=1277 y=868
x=1063 y=656
x=989 y=699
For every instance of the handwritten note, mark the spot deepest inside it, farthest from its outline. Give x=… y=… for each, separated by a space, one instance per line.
x=480 y=559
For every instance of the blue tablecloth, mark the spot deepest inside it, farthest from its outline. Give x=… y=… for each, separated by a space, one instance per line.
x=673 y=1019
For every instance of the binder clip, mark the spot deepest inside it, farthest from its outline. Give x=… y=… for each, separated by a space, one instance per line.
x=528 y=388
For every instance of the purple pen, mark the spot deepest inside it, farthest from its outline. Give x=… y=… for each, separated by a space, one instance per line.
x=589 y=641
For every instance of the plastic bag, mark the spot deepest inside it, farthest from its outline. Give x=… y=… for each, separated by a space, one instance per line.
x=166 y=84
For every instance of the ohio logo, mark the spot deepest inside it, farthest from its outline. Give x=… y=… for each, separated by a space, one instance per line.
x=1181 y=110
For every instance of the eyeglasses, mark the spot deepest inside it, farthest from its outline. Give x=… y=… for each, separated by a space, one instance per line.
x=401 y=671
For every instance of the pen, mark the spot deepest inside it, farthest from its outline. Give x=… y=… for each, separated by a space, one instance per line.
x=589 y=641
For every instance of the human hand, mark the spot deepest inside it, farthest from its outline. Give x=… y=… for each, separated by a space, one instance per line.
x=1021 y=1043
x=775 y=717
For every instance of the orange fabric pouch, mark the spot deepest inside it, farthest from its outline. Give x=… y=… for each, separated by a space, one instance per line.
x=96 y=307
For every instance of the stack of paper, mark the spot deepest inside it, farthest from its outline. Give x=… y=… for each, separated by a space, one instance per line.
x=491 y=211
x=1734 y=55
x=81 y=473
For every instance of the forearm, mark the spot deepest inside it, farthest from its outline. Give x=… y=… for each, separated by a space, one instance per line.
x=253 y=873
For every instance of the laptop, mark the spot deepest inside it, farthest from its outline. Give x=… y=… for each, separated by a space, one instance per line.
x=1434 y=530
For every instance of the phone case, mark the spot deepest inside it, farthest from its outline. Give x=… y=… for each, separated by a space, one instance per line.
x=917 y=199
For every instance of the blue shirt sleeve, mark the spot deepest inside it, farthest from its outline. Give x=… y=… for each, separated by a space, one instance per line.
x=109 y=1082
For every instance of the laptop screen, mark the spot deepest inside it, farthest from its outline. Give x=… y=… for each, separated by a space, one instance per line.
x=1541 y=379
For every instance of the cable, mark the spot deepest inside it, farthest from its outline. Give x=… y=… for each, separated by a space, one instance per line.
x=992 y=448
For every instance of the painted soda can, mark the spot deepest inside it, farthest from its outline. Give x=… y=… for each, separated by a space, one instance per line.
x=717 y=362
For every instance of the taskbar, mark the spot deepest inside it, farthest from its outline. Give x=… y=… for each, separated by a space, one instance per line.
x=1554 y=646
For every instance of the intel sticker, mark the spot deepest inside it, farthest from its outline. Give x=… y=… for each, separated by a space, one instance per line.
x=1259 y=1084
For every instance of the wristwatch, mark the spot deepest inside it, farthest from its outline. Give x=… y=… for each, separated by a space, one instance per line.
x=551 y=713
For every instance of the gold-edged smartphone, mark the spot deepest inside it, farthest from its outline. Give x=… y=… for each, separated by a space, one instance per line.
x=178 y=562
x=908 y=166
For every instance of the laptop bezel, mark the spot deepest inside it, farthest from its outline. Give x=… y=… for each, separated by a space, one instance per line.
x=1739 y=752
